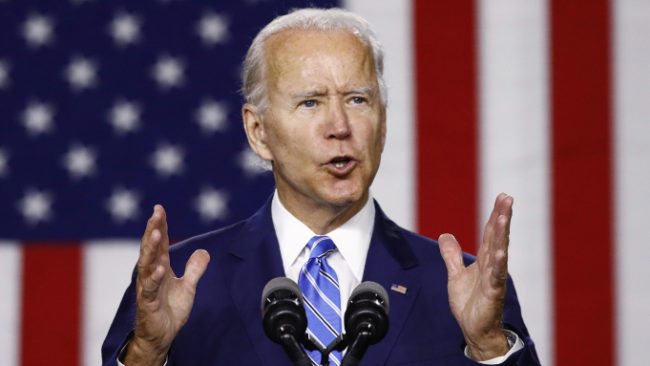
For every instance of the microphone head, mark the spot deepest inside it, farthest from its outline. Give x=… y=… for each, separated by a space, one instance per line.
x=367 y=311
x=282 y=309
x=370 y=287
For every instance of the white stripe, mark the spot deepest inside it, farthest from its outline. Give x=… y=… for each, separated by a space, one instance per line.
x=318 y=241
x=10 y=315
x=329 y=277
x=322 y=295
x=631 y=47
x=312 y=308
x=107 y=269
x=331 y=355
x=514 y=147
x=394 y=186
x=334 y=359
x=314 y=338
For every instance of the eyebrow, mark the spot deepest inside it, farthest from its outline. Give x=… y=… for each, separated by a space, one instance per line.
x=362 y=90
x=318 y=93
x=308 y=94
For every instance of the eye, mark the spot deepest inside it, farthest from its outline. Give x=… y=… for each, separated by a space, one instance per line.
x=309 y=103
x=358 y=100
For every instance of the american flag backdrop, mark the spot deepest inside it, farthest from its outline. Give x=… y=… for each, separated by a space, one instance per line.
x=107 y=107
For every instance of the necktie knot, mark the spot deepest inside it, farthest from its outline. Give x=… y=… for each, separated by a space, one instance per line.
x=320 y=246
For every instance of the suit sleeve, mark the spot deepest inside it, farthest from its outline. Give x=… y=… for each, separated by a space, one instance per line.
x=513 y=321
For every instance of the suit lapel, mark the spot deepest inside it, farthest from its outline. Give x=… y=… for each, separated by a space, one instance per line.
x=391 y=262
x=254 y=260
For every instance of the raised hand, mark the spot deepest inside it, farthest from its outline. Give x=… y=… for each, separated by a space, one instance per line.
x=477 y=292
x=163 y=300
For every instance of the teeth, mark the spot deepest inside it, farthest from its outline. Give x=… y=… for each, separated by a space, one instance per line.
x=339 y=164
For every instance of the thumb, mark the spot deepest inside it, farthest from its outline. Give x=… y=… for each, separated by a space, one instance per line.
x=451 y=254
x=195 y=267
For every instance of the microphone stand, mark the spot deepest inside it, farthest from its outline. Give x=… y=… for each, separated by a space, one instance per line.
x=338 y=344
x=293 y=349
x=356 y=350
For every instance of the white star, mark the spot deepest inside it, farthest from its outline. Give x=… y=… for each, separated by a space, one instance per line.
x=35 y=206
x=125 y=29
x=252 y=164
x=80 y=161
x=168 y=72
x=37 y=118
x=4 y=163
x=212 y=28
x=123 y=205
x=211 y=116
x=211 y=204
x=4 y=74
x=81 y=73
x=38 y=30
x=124 y=116
x=167 y=160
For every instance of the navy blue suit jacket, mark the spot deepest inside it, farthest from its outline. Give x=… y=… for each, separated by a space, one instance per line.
x=225 y=325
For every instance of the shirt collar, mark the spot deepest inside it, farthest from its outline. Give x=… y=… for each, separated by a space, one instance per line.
x=352 y=239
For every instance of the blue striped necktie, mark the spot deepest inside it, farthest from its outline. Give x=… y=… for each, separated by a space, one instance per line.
x=320 y=287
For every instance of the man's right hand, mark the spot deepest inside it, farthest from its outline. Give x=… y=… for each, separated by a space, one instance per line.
x=164 y=301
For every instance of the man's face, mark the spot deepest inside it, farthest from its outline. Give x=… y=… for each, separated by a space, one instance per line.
x=324 y=128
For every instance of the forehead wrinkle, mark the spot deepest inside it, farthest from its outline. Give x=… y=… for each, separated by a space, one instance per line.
x=279 y=64
x=361 y=90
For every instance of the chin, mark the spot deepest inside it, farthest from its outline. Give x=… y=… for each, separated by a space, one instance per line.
x=343 y=198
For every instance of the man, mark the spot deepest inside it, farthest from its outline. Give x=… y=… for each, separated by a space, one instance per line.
x=316 y=111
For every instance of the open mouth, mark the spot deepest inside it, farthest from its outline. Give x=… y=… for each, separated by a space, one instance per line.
x=341 y=162
x=341 y=166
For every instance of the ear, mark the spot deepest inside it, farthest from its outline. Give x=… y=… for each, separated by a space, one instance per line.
x=383 y=128
x=255 y=131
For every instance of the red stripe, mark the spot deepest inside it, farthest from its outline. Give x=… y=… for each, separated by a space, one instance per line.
x=51 y=304
x=582 y=182
x=447 y=175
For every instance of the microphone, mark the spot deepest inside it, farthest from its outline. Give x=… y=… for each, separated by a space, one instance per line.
x=366 y=320
x=284 y=319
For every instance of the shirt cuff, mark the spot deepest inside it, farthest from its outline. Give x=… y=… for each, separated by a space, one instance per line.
x=120 y=356
x=514 y=342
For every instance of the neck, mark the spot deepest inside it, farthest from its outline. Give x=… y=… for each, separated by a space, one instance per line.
x=322 y=218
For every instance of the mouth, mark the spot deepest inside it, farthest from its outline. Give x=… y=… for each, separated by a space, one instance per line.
x=341 y=165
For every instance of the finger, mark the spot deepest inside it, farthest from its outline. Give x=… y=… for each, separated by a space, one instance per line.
x=149 y=285
x=499 y=270
x=508 y=203
x=501 y=235
x=163 y=227
x=152 y=223
x=497 y=264
x=150 y=245
x=495 y=236
x=451 y=254
x=195 y=267
x=496 y=211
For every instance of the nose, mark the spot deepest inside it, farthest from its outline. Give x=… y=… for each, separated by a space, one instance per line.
x=338 y=125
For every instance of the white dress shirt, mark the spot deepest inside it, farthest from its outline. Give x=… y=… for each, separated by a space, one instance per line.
x=352 y=241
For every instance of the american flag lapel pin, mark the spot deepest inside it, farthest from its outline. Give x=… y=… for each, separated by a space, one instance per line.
x=398 y=288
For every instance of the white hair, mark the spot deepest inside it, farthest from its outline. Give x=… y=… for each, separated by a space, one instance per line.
x=254 y=70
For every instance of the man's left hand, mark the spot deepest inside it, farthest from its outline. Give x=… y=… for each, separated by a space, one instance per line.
x=477 y=292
